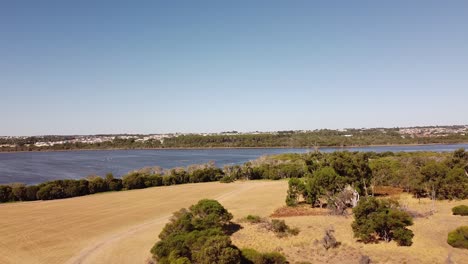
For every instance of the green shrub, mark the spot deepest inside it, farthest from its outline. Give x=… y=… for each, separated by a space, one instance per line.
x=253 y=219
x=227 y=179
x=274 y=258
x=282 y=229
x=251 y=256
x=460 y=210
x=279 y=226
x=459 y=237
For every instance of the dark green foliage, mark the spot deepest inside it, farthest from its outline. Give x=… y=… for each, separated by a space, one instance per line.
x=5 y=194
x=134 y=181
x=206 y=175
x=281 y=229
x=209 y=214
x=31 y=193
x=197 y=235
x=459 y=237
x=376 y=219
x=251 y=256
x=324 y=184
x=460 y=210
x=227 y=179
x=217 y=249
x=296 y=188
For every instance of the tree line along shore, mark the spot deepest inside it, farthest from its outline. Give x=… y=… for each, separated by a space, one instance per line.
x=286 y=139
x=423 y=174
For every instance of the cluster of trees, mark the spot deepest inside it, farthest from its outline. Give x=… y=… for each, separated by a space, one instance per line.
x=317 y=178
x=59 y=189
x=335 y=178
x=436 y=175
x=324 y=137
x=143 y=178
x=152 y=177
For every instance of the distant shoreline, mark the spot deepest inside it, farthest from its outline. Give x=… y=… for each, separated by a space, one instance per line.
x=208 y=148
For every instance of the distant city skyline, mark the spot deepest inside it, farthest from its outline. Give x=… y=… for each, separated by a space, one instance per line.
x=402 y=129
x=86 y=68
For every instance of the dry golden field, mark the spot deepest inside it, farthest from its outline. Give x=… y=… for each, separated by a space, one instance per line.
x=118 y=227
x=121 y=227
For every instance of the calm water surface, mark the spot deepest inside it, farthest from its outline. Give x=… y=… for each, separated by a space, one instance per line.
x=35 y=167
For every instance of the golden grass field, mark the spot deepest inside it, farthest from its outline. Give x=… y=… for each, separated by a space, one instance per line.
x=121 y=227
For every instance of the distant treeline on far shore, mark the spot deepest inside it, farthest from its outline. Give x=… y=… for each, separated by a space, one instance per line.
x=318 y=138
x=440 y=175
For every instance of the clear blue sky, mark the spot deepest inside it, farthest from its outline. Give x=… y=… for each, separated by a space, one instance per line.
x=82 y=67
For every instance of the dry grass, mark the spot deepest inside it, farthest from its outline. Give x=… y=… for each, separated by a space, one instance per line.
x=429 y=242
x=300 y=210
x=122 y=227
x=116 y=227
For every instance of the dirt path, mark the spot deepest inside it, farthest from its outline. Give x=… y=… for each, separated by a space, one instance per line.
x=84 y=255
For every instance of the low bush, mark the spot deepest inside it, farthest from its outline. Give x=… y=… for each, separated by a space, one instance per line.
x=459 y=237
x=460 y=210
x=227 y=179
x=253 y=219
x=281 y=229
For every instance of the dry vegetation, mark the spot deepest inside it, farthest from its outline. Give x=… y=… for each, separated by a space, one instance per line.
x=118 y=227
x=429 y=245
x=122 y=227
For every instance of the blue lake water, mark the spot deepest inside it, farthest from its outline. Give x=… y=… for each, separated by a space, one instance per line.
x=35 y=167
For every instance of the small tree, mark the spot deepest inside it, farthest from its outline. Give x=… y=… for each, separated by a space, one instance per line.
x=381 y=220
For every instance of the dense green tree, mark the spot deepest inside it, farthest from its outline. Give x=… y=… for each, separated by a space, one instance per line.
x=5 y=193
x=296 y=188
x=197 y=235
x=376 y=219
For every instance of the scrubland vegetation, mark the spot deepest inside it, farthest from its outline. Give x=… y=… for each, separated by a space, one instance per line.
x=316 y=177
x=417 y=218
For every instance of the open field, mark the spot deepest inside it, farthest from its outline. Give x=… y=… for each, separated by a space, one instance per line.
x=118 y=227
x=121 y=227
